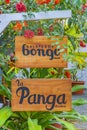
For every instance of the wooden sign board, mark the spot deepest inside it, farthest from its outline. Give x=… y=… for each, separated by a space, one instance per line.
x=41 y=95
x=38 y=52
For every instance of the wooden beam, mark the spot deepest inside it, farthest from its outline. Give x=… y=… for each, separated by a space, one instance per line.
x=5 y=19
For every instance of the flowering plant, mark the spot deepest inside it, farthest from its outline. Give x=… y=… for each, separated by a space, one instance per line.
x=75 y=31
x=74 y=28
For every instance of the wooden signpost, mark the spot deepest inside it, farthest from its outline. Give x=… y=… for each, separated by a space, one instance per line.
x=41 y=95
x=38 y=52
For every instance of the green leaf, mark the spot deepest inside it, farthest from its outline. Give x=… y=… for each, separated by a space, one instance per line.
x=33 y=124
x=11 y=70
x=5 y=113
x=83 y=117
x=77 y=88
x=5 y=91
x=82 y=54
x=68 y=125
x=23 y=115
x=24 y=126
x=79 y=102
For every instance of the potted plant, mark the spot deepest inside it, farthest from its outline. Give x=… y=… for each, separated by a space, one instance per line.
x=33 y=120
x=77 y=84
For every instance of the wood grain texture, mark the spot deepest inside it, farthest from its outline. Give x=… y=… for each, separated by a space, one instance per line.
x=41 y=52
x=44 y=87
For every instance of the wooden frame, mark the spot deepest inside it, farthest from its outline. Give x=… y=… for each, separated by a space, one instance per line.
x=5 y=19
x=60 y=89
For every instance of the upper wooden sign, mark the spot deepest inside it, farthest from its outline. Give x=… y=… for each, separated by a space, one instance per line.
x=41 y=95
x=38 y=52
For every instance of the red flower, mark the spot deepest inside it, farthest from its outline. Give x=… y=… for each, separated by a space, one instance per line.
x=51 y=28
x=53 y=72
x=82 y=44
x=28 y=34
x=68 y=74
x=48 y=1
x=20 y=7
x=84 y=7
x=56 y=1
x=7 y=1
x=39 y=32
x=43 y=1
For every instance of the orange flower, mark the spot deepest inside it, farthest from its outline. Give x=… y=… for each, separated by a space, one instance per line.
x=43 y=1
x=56 y=1
x=67 y=74
x=25 y=24
x=18 y=26
x=7 y=1
x=53 y=6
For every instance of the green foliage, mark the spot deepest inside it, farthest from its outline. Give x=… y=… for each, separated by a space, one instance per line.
x=79 y=102
x=75 y=29
x=68 y=125
x=5 y=113
x=5 y=91
x=33 y=124
x=77 y=88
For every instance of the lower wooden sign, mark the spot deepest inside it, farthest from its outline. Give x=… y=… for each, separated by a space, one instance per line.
x=41 y=95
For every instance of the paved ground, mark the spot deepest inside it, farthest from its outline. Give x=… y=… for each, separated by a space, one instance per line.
x=82 y=110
